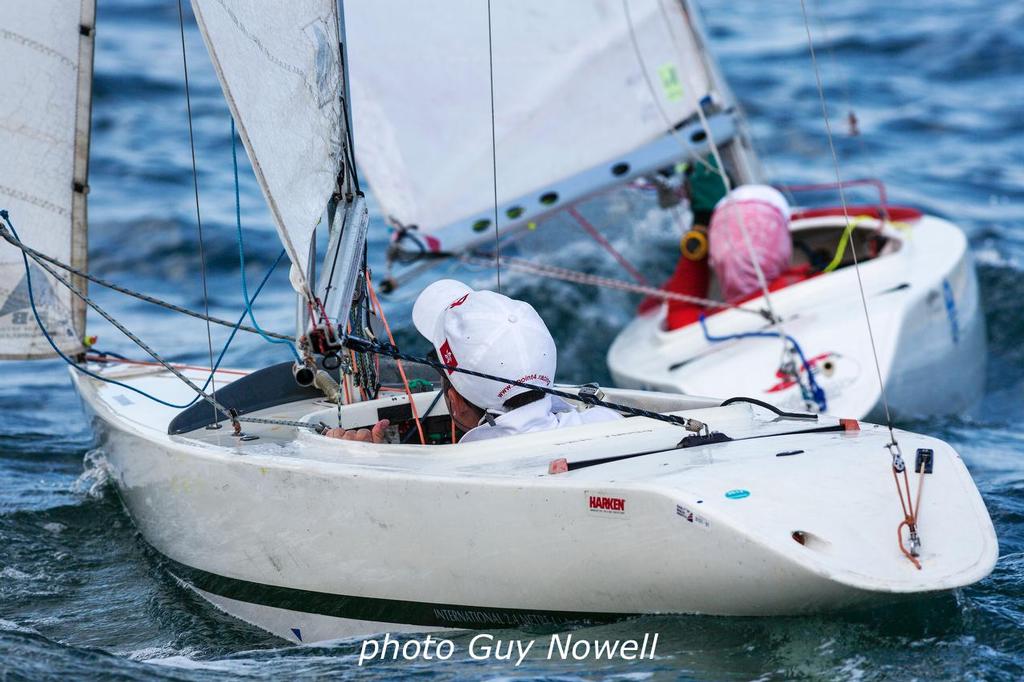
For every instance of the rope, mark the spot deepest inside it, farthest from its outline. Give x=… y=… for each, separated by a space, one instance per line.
x=241 y=253
x=195 y=187
x=909 y=519
x=280 y=422
x=494 y=149
x=841 y=248
x=36 y=255
x=607 y=245
x=815 y=392
x=368 y=346
x=398 y=363
x=111 y=358
x=577 y=277
x=216 y=366
x=120 y=327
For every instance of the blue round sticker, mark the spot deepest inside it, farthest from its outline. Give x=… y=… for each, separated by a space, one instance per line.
x=737 y=494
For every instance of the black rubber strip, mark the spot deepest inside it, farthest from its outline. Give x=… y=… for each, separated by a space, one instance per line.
x=583 y=464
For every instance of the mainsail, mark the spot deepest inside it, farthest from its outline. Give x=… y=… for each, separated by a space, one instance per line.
x=47 y=51
x=280 y=68
x=586 y=96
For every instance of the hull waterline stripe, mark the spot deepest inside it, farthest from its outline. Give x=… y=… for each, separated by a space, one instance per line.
x=381 y=610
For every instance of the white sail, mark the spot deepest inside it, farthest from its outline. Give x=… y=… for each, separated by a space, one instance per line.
x=280 y=69
x=577 y=86
x=46 y=81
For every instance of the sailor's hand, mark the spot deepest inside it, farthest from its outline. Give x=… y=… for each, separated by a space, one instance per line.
x=374 y=435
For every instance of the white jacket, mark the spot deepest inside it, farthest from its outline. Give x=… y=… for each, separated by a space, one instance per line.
x=541 y=415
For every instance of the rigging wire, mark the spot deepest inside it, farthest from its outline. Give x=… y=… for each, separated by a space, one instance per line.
x=195 y=186
x=494 y=148
x=846 y=216
x=337 y=253
x=36 y=255
x=910 y=510
x=370 y=346
x=109 y=318
x=241 y=253
x=844 y=81
x=578 y=277
x=28 y=252
x=607 y=246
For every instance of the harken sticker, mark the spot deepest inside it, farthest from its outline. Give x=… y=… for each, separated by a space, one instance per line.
x=606 y=504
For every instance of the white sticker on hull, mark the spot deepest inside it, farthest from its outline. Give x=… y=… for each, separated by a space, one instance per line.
x=696 y=519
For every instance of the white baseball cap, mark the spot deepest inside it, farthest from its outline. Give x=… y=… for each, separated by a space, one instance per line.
x=486 y=332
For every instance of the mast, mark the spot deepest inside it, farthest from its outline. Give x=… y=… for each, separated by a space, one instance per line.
x=80 y=169
x=346 y=213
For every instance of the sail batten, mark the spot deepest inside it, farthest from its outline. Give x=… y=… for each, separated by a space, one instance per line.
x=279 y=67
x=44 y=147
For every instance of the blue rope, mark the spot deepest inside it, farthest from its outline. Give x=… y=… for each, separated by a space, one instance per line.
x=241 y=253
x=816 y=391
x=46 y=334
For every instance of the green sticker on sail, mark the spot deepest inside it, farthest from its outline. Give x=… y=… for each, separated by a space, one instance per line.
x=670 y=82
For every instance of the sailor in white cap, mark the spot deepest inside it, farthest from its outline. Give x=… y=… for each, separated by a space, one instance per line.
x=490 y=333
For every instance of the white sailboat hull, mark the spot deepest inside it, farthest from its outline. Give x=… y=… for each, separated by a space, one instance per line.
x=313 y=538
x=928 y=324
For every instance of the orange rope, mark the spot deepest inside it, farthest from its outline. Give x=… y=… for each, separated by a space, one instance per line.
x=401 y=370
x=124 y=361
x=899 y=538
x=346 y=378
x=909 y=516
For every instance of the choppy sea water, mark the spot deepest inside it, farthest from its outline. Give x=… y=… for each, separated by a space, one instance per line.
x=937 y=92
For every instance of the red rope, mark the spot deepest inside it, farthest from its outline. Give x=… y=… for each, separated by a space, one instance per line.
x=599 y=238
x=124 y=361
x=401 y=370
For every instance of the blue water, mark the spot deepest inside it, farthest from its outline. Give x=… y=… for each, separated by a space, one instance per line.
x=937 y=91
